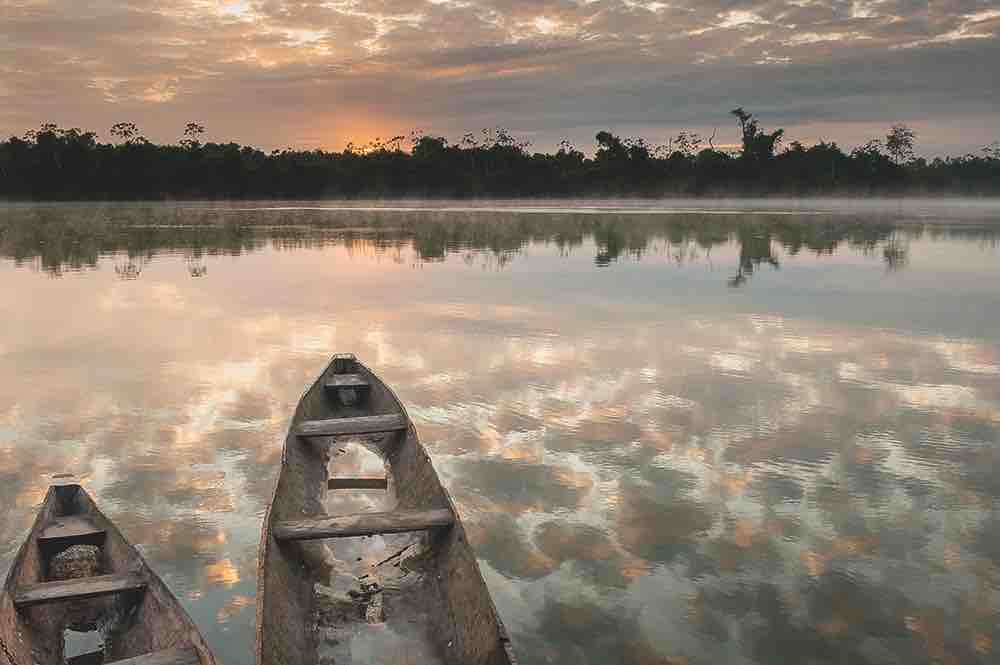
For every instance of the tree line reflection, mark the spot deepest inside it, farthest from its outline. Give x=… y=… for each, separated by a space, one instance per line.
x=657 y=485
x=57 y=239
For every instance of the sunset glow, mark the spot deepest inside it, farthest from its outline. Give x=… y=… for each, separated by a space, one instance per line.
x=323 y=74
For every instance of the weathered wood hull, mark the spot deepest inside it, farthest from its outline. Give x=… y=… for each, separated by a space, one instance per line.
x=295 y=550
x=138 y=616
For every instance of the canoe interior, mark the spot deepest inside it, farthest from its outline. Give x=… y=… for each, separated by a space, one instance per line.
x=127 y=624
x=415 y=597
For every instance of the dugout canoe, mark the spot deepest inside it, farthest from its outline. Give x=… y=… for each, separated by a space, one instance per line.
x=76 y=584
x=363 y=558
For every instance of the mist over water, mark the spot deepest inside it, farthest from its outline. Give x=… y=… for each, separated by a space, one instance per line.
x=744 y=432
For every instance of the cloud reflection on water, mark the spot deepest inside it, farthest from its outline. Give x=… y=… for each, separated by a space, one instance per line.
x=653 y=467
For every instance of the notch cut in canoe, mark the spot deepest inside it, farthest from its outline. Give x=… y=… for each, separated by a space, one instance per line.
x=188 y=656
x=71 y=529
x=77 y=589
x=389 y=422
x=363 y=524
x=344 y=363
x=357 y=483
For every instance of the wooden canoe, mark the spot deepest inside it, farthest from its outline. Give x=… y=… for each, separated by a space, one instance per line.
x=77 y=582
x=363 y=559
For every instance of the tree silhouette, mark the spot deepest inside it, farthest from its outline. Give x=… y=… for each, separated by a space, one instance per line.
x=758 y=145
x=899 y=143
x=610 y=147
x=52 y=163
x=686 y=144
x=127 y=133
x=191 y=133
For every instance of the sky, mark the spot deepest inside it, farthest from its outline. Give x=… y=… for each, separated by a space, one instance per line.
x=308 y=73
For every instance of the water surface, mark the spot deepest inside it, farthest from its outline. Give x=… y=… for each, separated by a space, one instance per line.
x=760 y=432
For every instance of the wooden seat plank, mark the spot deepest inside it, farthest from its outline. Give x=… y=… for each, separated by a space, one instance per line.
x=389 y=422
x=72 y=527
x=84 y=587
x=338 y=381
x=180 y=656
x=89 y=658
x=358 y=483
x=363 y=524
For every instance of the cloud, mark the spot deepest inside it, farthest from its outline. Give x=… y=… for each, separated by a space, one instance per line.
x=306 y=72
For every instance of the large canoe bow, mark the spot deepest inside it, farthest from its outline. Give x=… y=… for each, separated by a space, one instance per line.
x=363 y=559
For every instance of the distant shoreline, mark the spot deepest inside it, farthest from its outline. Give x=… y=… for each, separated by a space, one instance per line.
x=54 y=164
x=641 y=204
x=372 y=200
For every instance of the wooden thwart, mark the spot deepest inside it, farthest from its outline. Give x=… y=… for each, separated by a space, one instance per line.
x=70 y=528
x=390 y=422
x=188 y=656
x=86 y=587
x=89 y=658
x=338 y=381
x=358 y=483
x=363 y=524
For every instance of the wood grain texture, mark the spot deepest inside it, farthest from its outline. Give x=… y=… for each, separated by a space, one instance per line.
x=389 y=422
x=363 y=524
x=183 y=656
x=357 y=483
x=338 y=381
x=87 y=587
x=34 y=631
x=70 y=528
x=453 y=605
x=90 y=658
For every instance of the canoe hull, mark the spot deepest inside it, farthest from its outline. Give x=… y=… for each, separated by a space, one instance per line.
x=460 y=610
x=151 y=618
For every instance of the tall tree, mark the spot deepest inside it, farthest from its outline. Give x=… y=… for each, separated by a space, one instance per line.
x=191 y=133
x=899 y=143
x=127 y=133
x=758 y=145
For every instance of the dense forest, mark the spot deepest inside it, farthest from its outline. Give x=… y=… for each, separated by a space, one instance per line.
x=53 y=163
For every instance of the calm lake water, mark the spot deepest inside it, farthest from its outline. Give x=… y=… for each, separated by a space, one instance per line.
x=760 y=432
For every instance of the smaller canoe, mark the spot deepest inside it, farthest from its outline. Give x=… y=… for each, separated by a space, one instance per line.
x=79 y=593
